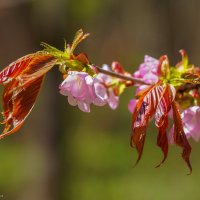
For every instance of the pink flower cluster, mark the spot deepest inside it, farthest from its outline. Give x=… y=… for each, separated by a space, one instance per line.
x=190 y=117
x=148 y=73
x=83 y=90
x=148 y=70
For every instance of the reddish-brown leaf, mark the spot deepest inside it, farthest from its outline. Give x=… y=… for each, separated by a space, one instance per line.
x=144 y=111
x=155 y=100
x=179 y=135
x=22 y=80
x=82 y=57
x=29 y=66
x=15 y=68
x=39 y=65
x=18 y=103
x=161 y=122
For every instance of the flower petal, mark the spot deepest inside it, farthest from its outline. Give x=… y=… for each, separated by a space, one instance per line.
x=85 y=107
x=71 y=100
x=113 y=101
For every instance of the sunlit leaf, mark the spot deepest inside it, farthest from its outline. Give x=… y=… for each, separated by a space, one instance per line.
x=161 y=122
x=15 y=68
x=18 y=103
x=157 y=100
x=179 y=135
x=144 y=111
x=22 y=80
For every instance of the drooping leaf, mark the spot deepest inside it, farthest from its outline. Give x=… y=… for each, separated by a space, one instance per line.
x=179 y=135
x=155 y=101
x=144 y=111
x=30 y=67
x=22 y=80
x=15 y=68
x=39 y=65
x=18 y=103
x=161 y=122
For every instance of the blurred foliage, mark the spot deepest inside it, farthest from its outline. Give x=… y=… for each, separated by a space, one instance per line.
x=62 y=153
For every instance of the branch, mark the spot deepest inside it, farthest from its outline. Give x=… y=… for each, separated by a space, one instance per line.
x=120 y=76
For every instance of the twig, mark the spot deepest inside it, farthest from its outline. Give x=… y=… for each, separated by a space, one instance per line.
x=120 y=76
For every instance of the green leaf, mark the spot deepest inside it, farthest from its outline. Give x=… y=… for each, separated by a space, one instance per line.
x=79 y=36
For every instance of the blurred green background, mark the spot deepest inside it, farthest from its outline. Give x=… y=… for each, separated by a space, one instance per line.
x=64 y=154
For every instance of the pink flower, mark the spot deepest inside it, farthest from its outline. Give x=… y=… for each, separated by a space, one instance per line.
x=191 y=123
x=83 y=90
x=79 y=87
x=148 y=70
x=148 y=73
x=107 y=81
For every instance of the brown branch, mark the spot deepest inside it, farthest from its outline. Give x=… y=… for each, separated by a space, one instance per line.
x=120 y=76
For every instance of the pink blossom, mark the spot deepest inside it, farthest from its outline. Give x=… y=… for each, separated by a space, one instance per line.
x=83 y=90
x=191 y=123
x=148 y=70
x=148 y=73
x=79 y=87
x=107 y=81
x=112 y=100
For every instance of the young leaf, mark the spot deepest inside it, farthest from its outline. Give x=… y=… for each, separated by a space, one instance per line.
x=179 y=135
x=161 y=122
x=17 y=104
x=163 y=67
x=184 y=62
x=144 y=111
x=15 y=68
x=79 y=36
x=157 y=100
x=29 y=66
x=22 y=80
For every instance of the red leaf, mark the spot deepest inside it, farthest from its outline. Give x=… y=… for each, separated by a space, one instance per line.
x=18 y=103
x=179 y=135
x=144 y=111
x=82 y=57
x=29 y=66
x=161 y=122
x=22 y=80
x=155 y=100
x=15 y=68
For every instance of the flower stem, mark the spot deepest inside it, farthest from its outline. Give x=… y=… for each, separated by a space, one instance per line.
x=120 y=76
